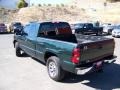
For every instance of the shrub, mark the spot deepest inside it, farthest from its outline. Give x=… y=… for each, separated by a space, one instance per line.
x=49 y=5
x=22 y=4
x=39 y=5
x=62 y=5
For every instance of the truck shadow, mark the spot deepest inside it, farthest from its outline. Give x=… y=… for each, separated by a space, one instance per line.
x=107 y=80
x=5 y=33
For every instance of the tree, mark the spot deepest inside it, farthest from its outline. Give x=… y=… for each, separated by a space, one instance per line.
x=39 y=5
x=22 y=3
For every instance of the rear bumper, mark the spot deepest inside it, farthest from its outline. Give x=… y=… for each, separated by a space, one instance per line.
x=94 y=67
x=80 y=71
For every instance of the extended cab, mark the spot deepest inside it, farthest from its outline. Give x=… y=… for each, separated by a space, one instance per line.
x=54 y=44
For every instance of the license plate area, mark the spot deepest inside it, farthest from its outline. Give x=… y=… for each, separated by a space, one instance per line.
x=98 y=64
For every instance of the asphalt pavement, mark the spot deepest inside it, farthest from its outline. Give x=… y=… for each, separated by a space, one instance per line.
x=25 y=73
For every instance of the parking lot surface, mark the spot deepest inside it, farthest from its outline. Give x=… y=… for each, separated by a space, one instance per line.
x=25 y=73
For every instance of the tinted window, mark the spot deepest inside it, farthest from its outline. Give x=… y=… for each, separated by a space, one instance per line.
x=62 y=25
x=47 y=27
x=17 y=24
x=52 y=29
x=88 y=25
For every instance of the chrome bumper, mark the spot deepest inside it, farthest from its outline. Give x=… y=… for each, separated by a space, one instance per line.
x=93 y=68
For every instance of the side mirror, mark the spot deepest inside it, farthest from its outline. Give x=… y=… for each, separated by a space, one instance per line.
x=18 y=30
x=24 y=34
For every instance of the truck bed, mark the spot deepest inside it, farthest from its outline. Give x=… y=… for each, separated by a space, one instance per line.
x=92 y=48
x=78 y=38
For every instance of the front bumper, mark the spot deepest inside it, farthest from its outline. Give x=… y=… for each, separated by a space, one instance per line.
x=117 y=35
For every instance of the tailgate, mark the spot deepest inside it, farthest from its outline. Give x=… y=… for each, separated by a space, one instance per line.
x=97 y=50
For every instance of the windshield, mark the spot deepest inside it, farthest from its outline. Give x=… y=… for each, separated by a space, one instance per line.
x=79 y=25
x=87 y=25
x=17 y=24
x=117 y=27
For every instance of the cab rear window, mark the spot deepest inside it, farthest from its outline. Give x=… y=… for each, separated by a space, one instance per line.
x=55 y=28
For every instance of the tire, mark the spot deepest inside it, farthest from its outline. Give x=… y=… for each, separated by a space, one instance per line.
x=77 y=32
x=18 y=51
x=109 y=32
x=54 y=69
x=98 y=33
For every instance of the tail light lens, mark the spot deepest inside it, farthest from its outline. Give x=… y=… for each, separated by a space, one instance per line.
x=76 y=56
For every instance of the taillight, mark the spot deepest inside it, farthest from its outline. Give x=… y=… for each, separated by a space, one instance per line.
x=76 y=55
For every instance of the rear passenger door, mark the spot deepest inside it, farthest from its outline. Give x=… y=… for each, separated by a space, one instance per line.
x=45 y=31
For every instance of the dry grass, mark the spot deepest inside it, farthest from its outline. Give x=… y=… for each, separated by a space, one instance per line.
x=110 y=13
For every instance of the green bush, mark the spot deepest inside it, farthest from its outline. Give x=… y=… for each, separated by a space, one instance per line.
x=39 y=5
x=62 y=5
x=22 y=4
x=49 y=5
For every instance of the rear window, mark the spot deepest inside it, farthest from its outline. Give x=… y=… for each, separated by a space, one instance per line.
x=63 y=28
x=47 y=27
x=62 y=25
x=52 y=29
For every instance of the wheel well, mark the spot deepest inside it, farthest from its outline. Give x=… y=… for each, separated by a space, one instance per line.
x=47 y=55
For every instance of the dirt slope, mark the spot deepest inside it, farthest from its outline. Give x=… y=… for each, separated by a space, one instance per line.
x=93 y=12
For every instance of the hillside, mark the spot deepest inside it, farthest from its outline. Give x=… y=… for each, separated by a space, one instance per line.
x=51 y=13
x=90 y=12
x=7 y=15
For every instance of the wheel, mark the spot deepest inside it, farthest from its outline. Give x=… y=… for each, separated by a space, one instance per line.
x=54 y=69
x=109 y=32
x=77 y=32
x=113 y=35
x=18 y=51
x=99 y=33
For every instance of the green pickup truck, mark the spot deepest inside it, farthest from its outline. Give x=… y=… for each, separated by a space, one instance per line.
x=54 y=44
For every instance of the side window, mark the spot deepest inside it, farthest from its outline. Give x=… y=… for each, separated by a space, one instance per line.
x=32 y=30
x=26 y=29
